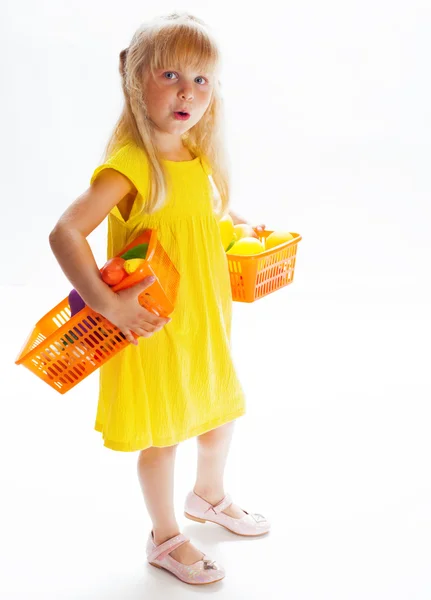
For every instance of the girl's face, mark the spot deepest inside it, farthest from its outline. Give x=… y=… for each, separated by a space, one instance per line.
x=171 y=91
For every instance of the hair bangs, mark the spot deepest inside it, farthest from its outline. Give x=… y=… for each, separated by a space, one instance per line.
x=182 y=47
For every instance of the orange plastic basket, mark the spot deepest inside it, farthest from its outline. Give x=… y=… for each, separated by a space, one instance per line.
x=62 y=350
x=253 y=277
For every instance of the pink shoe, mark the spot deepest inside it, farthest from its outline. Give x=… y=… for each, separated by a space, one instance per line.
x=201 y=572
x=198 y=509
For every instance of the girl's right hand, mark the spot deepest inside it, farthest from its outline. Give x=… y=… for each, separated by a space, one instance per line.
x=129 y=316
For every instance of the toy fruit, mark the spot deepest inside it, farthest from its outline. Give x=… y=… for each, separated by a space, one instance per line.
x=278 y=237
x=243 y=230
x=139 y=251
x=113 y=271
x=76 y=303
x=131 y=265
x=247 y=246
x=226 y=230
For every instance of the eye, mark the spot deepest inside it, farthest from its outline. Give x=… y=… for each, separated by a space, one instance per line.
x=173 y=73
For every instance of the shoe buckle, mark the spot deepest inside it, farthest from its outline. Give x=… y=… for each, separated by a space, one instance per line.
x=209 y=564
x=258 y=517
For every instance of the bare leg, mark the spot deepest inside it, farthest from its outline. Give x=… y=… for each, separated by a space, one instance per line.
x=213 y=449
x=156 y=477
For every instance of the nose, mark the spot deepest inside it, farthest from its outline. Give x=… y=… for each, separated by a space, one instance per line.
x=186 y=94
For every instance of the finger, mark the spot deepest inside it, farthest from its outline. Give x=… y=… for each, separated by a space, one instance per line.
x=138 y=288
x=143 y=332
x=129 y=336
x=146 y=327
x=152 y=327
x=149 y=317
x=142 y=285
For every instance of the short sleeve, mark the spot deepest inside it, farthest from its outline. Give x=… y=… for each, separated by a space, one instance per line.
x=131 y=161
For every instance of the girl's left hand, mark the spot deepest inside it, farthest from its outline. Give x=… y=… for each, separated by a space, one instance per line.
x=259 y=228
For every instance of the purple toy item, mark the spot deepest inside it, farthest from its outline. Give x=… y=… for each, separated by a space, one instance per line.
x=76 y=303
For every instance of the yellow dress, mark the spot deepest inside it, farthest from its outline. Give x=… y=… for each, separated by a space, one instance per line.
x=181 y=381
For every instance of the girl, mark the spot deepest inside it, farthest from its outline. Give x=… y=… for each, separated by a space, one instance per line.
x=177 y=380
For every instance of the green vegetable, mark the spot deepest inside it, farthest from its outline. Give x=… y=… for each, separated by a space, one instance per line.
x=139 y=251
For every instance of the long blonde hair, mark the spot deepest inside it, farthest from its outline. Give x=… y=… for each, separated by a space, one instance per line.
x=181 y=40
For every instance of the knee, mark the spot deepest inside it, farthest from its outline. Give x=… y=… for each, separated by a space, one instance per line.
x=215 y=437
x=157 y=454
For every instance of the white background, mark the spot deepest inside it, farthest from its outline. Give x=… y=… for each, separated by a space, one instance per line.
x=328 y=120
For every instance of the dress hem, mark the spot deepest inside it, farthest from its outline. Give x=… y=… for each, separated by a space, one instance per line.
x=161 y=443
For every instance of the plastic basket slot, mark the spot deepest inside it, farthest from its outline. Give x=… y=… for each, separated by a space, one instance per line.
x=83 y=329
x=237 y=279
x=70 y=373
x=78 y=370
x=55 y=368
x=93 y=338
x=87 y=324
x=50 y=353
x=151 y=302
x=111 y=344
x=97 y=355
x=106 y=349
x=235 y=266
x=60 y=346
x=87 y=341
x=68 y=379
x=103 y=333
x=77 y=332
x=51 y=373
x=39 y=339
x=69 y=338
x=79 y=350
x=44 y=358
x=61 y=318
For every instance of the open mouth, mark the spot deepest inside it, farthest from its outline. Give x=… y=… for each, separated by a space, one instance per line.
x=181 y=115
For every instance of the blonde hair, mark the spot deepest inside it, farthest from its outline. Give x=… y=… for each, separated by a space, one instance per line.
x=178 y=40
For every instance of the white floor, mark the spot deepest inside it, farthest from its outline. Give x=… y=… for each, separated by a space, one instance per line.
x=334 y=449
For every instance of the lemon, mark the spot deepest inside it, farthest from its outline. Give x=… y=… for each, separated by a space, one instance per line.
x=226 y=230
x=247 y=246
x=132 y=264
x=276 y=238
x=244 y=230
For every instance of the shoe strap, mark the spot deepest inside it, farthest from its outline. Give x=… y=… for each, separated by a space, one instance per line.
x=224 y=503
x=161 y=551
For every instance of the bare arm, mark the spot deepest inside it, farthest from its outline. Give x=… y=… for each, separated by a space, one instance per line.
x=68 y=238
x=236 y=218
